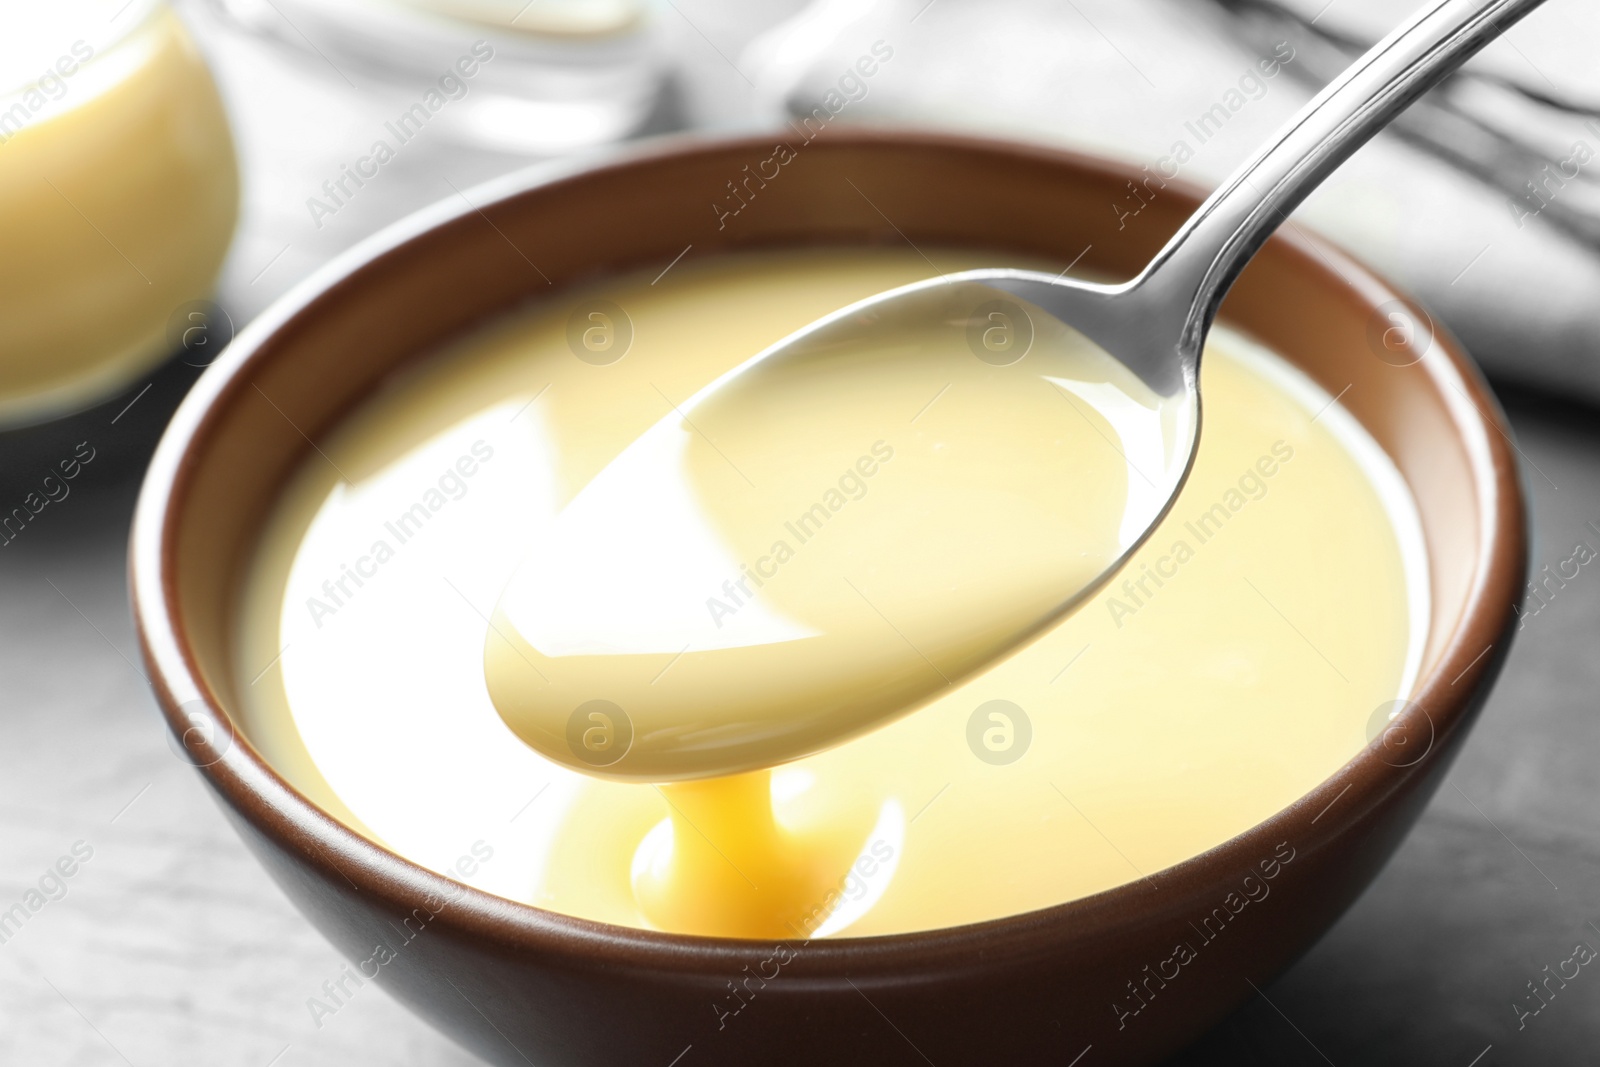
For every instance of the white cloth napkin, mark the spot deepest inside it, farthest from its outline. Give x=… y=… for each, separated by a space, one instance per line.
x=1132 y=78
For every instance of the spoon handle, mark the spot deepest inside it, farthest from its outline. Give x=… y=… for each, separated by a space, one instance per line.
x=1194 y=270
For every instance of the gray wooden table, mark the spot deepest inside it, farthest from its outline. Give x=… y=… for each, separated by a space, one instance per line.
x=168 y=945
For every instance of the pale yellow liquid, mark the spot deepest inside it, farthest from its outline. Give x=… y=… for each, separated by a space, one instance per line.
x=1165 y=718
x=118 y=193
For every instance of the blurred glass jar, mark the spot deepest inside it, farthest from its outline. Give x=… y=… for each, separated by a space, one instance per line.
x=564 y=74
x=118 y=196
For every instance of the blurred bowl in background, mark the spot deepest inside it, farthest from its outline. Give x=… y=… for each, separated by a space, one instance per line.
x=544 y=77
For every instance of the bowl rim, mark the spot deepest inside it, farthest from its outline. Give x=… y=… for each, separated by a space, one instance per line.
x=249 y=785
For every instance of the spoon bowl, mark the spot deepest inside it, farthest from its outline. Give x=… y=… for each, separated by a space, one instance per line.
x=790 y=593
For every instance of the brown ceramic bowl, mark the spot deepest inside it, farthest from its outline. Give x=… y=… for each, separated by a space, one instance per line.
x=520 y=985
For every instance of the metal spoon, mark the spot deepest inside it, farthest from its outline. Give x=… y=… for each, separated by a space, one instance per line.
x=616 y=597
